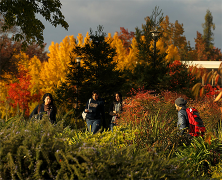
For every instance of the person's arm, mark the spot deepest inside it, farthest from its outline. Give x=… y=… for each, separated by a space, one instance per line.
x=87 y=106
x=182 y=122
x=35 y=111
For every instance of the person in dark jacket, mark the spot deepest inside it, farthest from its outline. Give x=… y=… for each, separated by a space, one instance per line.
x=183 y=122
x=115 y=109
x=47 y=107
x=95 y=112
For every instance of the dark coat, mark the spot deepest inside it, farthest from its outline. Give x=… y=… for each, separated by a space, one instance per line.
x=39 y=111
x=183 y=121
x=96 y=108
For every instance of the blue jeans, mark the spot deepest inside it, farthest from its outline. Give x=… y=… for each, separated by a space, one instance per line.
x=111 y=125
x=93 y=125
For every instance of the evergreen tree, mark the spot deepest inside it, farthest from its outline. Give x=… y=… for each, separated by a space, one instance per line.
x=97 y=72
x=208 y=26
x=152 y=62
x=207 y=30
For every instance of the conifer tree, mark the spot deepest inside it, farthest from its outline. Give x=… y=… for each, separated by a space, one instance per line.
x=208 y=26
x=97 y=72
x=152 y=71
x=208 y=34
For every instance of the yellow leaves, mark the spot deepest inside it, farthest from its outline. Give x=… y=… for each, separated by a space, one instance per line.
x=160 y=46
x=54 y=71
x=80 y=40
x=120 y=50
x=172 y=53
x=131 y=59
x=87 y=39
x=34 y=69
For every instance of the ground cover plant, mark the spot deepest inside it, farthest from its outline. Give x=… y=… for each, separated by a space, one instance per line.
x=144 y=145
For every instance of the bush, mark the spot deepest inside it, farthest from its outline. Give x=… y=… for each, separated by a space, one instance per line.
x=35 y=150
x=201 y=156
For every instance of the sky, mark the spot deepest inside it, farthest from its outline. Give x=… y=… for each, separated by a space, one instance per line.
x=81 y=15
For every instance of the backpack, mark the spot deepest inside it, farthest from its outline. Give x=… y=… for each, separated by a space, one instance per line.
x=196 y=126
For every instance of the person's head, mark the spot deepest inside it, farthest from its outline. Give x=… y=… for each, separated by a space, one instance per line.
x=118 y=97
x=47 y=99
x=95 y=94
x=179 y=103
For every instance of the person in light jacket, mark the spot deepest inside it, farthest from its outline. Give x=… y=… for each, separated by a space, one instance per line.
x=115 y=110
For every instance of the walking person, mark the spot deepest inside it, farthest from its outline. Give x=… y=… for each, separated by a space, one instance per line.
x=183 y=122
x=115 y=109
x=95 y=112
x=47 y=107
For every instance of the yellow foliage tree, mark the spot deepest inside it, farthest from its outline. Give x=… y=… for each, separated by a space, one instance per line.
x=131 y=59
x=120 y=50
x=54 y=71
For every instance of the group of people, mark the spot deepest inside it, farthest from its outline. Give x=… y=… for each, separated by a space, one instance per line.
x=94 y=109
x=96 y=113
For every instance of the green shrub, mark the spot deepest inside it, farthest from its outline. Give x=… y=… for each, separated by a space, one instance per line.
x=34 y=150
x=200 y=155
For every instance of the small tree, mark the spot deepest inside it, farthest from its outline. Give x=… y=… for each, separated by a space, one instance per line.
x=19 y=92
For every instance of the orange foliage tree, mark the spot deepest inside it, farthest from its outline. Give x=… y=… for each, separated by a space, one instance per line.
x=19 y=92
x=126 y=38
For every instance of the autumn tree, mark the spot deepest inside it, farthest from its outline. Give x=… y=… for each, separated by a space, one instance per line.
x=9 y=49
x=19 y=93
x=8 y=63
x=126 y=38
x=174 y=41
x=53 y=72
x=22 y=14
x=200 y=46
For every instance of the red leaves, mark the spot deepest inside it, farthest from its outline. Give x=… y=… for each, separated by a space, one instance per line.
x=211 y=91
x=126 y=37
x=135 y=107
x=19 y=92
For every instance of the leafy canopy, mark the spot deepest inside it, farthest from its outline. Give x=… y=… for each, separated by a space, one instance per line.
x=22 y=14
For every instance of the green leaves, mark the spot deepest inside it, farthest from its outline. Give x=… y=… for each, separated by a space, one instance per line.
x=22 y=14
